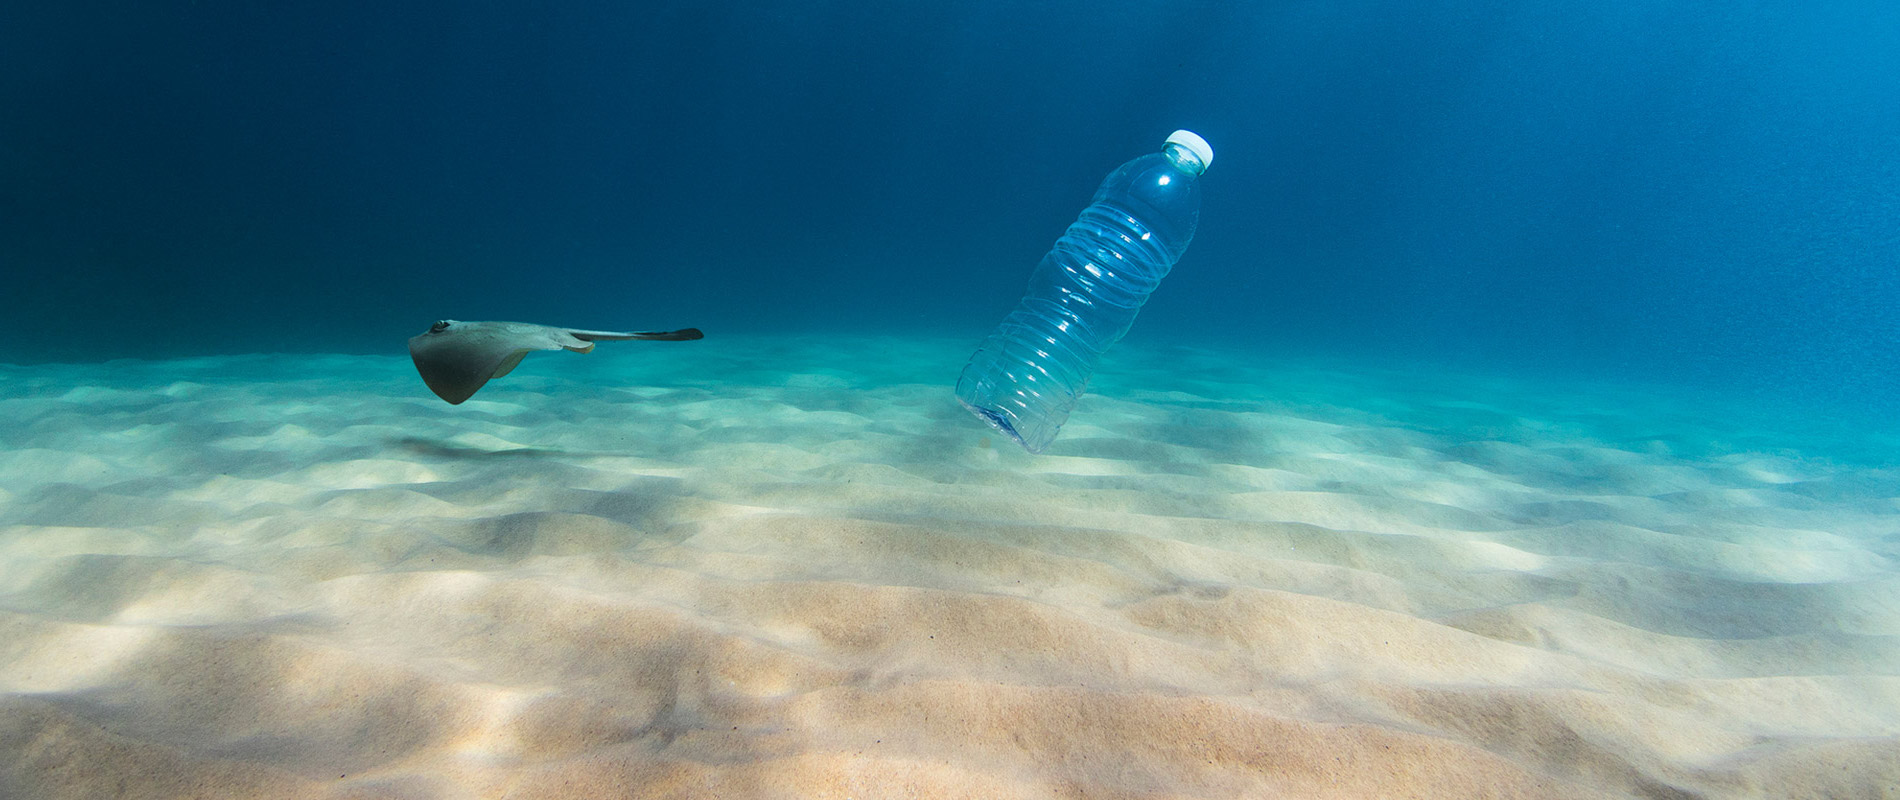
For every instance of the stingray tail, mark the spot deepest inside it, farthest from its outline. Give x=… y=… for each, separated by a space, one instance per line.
x=681 y=335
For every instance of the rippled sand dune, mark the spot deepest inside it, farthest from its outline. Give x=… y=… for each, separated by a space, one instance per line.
x=797 y=569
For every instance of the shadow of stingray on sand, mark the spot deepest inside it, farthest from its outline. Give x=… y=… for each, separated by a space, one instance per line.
x=440 y=449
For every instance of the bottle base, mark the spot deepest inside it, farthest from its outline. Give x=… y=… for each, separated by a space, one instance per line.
x=1000 y=422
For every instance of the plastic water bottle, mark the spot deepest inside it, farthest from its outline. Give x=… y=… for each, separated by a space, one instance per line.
x=1027 y=376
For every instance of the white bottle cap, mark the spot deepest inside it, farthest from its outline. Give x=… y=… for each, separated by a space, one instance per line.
x=1195 y=144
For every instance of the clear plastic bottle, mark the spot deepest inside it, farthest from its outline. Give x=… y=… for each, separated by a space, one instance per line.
x=1026 y=377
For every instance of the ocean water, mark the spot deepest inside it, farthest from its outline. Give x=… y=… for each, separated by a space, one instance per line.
x=1519 y=422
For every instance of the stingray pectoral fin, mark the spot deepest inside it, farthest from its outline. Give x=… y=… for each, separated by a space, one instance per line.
x=452 y=376
x=508 y=364
x=456 y=358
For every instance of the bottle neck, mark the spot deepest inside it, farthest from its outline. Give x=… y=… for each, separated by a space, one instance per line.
x=1183 y=159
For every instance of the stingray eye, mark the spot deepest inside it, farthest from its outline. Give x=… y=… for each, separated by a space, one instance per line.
x=439 y=326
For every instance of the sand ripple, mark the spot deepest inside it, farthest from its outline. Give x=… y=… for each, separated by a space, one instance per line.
x=691 y=572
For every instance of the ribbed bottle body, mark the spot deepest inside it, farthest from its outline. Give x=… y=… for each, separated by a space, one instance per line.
x=1028 y=374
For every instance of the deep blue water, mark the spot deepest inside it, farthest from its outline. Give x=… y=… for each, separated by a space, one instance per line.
x=1638 y=190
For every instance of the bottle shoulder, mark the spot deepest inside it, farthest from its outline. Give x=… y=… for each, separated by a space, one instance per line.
x=1155 y=182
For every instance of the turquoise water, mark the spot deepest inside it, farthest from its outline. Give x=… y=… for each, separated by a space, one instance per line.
x=1626 y=193
x=699 y=568
x=1519 y=421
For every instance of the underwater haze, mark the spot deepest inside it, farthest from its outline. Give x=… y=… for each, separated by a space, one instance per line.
x=1518 y=423
x=1631 y=189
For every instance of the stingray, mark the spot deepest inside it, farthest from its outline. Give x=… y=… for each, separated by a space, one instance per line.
x=456 y=358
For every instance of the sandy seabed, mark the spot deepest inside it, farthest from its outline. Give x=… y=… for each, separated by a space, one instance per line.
x=796 y=568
